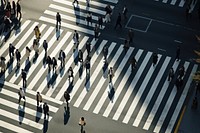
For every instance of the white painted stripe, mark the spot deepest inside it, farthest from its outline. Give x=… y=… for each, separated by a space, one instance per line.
x=129 y=90
x=28 y=100
x=142 y=87
x=32 y=54
x=13 y=128
x=96 y=90
x=18 y=118
x=164 y=1
x=69 y=18
x=80 y=80
x=168 y=105
x=59 y=46
x=95 y=3
x=104 y=96
x=92 y=78
x=69 y=63
x=31 y=92
x=173 y=2
x=70 y=26
x=181 y=101
x=181 y=4
x=23 y=52
x=27 y=110
x=11 y=40
x=112 y=1
x=34 y=81
x=65 y=2
x=122 y=83
x=151 y=92
x=159 y=100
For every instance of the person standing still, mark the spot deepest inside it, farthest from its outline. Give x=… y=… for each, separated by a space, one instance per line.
x=38 y=98
x=118 y=22
x=177 y=53
x=58 y=20
x=21 y=94
x=46 y=110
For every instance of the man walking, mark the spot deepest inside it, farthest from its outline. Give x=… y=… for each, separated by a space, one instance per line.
x=130 y=36
x=49 y=62
x=171 y=74
x=96 y=31
x=133 y=64
x=21 y=94
x=178 y=53
x=155 y=59
x=18 y=57
x=67 y=97
x=54 y=63
x=87 y=65
x=58 y=20
x=62 y=58
x=105 y=52
x=88 y=48
x=118 y=22
x=70 y=74
x=111 y=74
x=38 y=98
x=19 y=10
x=82 y=123
x=24 y=74
x=45 y=46
x=76 y=38
x=80 y=56
x=46 y=110
x=11 y=50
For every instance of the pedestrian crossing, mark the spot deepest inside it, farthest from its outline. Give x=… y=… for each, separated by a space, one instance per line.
x=73 y=17
x=179 y=3
x=143 y=98
x=23 y=117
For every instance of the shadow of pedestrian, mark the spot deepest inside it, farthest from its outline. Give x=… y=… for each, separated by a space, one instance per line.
x=105 y=69
x=75 y=56
x=58 y=34
x=27 y=66
x=62 y=69
x=17 y=71
x=70 y=87
x=87 y=82
x=10 y=65
x=111 y=93
x=38 y=114
x=21 y=112
x=48 y=78
x=66 y=114
x=53 y=80
x=77 y=14
x=35 y=57
x=44 y=60
x=45 y=126
x=80 y=71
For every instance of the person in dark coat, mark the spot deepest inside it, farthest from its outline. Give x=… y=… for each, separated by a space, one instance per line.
x=171 y=74
x=62 y=58
x=111 y=74
x=80 y=56
x=96 y=31
x=19 y=10
x=118 y=22
x=181 y=72
x=88 y=47
x=67 y=97
x=21 y=94
x=179 y=83
x=100 y=22
x=133 y=63
x=24 y=74
x=45 y=46
x=89 y=18
x=70 y=73
x=177 y=53
x=14 y=7
x=155 y=59
x=46 y=110
x=11 y=50
x=76 y=2
x=126 y=45
x=105 y=52
x=54 y=63
x=58 y=20
x=18 y=57
x=49 y=62
x=87 y=66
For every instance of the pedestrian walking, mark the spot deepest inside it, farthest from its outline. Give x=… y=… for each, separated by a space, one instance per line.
x=46 y=110
x=67 y=97
x=58 y=20
x=155 y=59
x=82 y=123
x=49 y=62
x=62 y=58
x=171 y=74
x=89 y=18
x=118 y=22
x=8 y=9
x=27 y=52
x=36 y=46
x=130 y=36
x=24 y=75
x=105 y=52
x=179 y=83
x=133 y=63
x=178 y=49
x=87 y=66
x=195 y=103
x=21 y=94
x=37 y=32
x=111 y=74
x=76 y=2
x=181 y=72
x=88 y=3
x=96 y=31
x=38 y=98
x=2 y=64
x=18 y=57
x=125 y=10
x=54 y=63
x=19 y=10
x=70 y=73
x=88 y=47
x=45 y=45
x=14 y=7
x=11 y=50
x=108 y=9
x=7 y=23
x=100 y=22
x=80 y=56
x=126 y=45
x=76 y=38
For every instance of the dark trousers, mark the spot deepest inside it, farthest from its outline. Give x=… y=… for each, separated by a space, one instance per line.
x=24 y=82
x=45 y=114
x=110 y=78
x=20 y=98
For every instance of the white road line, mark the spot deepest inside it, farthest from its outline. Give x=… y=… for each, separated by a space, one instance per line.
x=96 y=90
x=42 y=70
x=13 y=128
x=93 y=77
x=151 y=92
x=168 y=105
x=181 y=4
x=28 y=110
x=65 y=2
x=133 y=84
x=11 y=39
x=104 y=96
x=159 y=100
x=97 y=3
x=59 y=46
x=28 y=100
x=31 y=92
x=173 y=2
x=181 y=101
x=67 y=25
x=129 y=90
x=32 y=54
x=23 y=53
x=112 y=1
x=164 y=1
x=122 y=83
x=80 y=80
x=19 y=118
